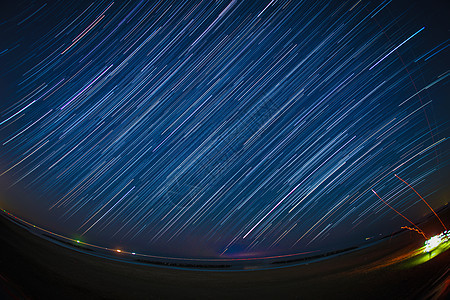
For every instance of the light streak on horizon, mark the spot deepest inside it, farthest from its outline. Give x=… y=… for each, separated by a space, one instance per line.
x=419 y=230
x=445 y=228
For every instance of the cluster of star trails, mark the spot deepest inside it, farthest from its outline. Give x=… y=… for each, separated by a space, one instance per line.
x=255 y=125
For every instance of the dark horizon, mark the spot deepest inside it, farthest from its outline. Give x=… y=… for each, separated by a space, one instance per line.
x=395 y=268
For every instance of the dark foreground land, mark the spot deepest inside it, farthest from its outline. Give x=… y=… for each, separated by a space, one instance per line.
x=34 y=268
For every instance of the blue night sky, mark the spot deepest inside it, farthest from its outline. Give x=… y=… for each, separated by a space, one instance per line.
x=223 y=128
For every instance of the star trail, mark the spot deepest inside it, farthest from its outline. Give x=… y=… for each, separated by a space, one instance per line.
x=222 y=128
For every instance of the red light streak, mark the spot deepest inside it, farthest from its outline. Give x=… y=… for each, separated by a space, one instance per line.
x=419 y=230
x=445 y=228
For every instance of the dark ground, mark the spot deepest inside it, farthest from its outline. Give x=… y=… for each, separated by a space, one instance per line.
x=34 y=268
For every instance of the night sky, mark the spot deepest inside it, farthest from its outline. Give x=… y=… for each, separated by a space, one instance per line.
x=223 y=128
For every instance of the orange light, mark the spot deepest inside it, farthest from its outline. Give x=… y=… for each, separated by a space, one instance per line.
x=445 y=228
x=418 y=229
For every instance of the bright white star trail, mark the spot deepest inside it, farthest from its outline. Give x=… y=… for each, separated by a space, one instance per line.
x=222 y=128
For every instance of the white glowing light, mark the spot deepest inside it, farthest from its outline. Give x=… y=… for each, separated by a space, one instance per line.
x=433 y=242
